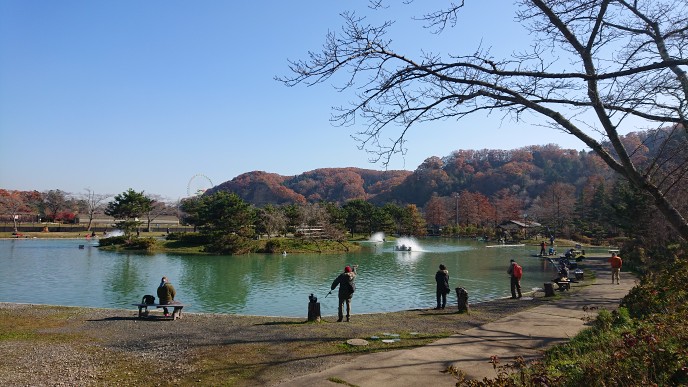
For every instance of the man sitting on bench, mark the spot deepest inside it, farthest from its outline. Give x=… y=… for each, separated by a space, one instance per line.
x=166 y=294
x=562 y=279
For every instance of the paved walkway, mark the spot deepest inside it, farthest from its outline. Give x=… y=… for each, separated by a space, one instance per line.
x=523 y=334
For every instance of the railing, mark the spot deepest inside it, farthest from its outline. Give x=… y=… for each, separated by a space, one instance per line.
x=95 y=227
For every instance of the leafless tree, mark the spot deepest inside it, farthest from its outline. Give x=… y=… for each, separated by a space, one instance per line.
x=54 y=201
x=157 y=208
x=92 y=203
x=556 y=206
x=313 y=216
x=12 y=204
x=593 y=68
x=273 y=220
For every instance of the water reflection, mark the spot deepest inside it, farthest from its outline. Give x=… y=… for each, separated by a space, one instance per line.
x=58 y=272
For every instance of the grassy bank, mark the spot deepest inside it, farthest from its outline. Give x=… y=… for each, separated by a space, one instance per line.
x=156 y=242
x=643 y=343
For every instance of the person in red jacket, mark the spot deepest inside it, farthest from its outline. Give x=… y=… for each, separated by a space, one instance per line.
x=515 y=271
x=615 y=262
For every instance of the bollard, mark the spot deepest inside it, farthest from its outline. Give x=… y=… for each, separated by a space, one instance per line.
x=313 y=308
x=549 y=289
x=462 y=299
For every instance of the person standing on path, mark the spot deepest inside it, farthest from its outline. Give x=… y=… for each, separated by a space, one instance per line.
x=543 y=248
x=347 y=287
x=442 y=279
x=166 y=294
x=516 y=272
x=615 y=261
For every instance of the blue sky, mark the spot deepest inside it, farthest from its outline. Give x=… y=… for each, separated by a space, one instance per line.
x=111 y=95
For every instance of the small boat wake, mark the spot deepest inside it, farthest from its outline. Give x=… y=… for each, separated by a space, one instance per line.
x=407 y=245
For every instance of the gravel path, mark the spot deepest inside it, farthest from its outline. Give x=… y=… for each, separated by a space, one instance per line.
x=66 y=346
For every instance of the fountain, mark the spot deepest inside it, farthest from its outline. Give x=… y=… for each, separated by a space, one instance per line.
x=377 y=237
x=407 y=244
x=113 y=233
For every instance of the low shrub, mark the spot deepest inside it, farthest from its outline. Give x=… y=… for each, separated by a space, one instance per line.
x=188 y=238
x=272 y=246
x=661 y=291
x=129 y=244
x=113 y=241
x=230 y=244
x=141 y=244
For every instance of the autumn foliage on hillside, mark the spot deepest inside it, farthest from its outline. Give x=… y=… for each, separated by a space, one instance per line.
x=565 y=190
x=336 y=185
x=526 y=172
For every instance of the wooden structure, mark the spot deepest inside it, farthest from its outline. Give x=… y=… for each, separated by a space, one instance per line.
x=176 y=313
x=563 y=284
x=515 y=227
x=102 y=219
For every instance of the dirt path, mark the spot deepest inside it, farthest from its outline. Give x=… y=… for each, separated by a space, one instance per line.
x=51 y=346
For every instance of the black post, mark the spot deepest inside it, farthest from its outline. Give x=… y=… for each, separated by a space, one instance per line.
x=313 y=308
x=462 y=299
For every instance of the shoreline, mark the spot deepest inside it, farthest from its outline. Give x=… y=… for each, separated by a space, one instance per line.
x=103 y=346
x=527 y=296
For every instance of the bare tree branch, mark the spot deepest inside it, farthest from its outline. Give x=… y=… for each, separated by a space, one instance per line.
x=608 y=60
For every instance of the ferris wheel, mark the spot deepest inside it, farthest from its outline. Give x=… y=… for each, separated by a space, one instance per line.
x=198 y=184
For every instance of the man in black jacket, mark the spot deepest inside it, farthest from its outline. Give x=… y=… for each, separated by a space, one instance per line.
x=442 y=280
x=347 y=286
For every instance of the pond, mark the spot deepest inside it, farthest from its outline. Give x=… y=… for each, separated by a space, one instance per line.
x=61 y=272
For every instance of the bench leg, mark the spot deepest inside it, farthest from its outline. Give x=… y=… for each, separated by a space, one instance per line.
x=563 y=286
x=177 y=313
x=143 y=311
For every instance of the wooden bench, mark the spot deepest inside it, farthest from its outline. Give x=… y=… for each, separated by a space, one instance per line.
x=563 y=285
x=176 y=313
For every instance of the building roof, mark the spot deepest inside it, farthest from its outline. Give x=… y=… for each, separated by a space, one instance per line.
x=519 y=224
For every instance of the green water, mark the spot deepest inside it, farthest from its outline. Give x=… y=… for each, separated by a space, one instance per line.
x=59 y=272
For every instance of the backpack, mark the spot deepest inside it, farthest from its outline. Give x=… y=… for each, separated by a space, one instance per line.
x=148 y=299
x=518 y=271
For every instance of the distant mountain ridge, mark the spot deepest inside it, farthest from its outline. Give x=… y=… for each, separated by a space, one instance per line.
x=325 y=184
x=525 y=172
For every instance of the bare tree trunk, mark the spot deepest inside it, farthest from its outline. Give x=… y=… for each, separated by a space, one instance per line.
x=642 y=79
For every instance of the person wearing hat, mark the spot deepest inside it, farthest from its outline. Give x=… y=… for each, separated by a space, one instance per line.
x=347 y=287
x=166 y=294
x=442 y=280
